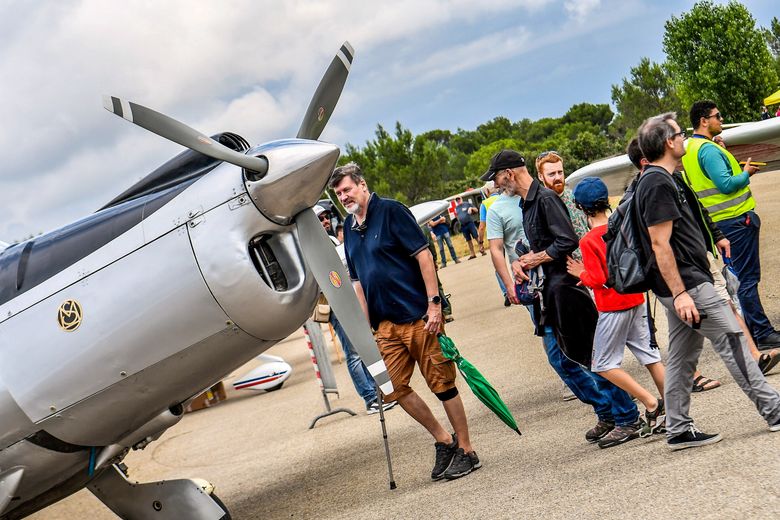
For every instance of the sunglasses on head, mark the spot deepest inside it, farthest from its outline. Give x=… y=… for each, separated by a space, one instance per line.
x=545 y=154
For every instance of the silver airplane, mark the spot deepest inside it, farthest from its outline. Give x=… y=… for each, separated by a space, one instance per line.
x=111 y=324
x=759 y=140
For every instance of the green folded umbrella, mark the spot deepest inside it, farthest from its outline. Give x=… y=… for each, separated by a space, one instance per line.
x=478 y=384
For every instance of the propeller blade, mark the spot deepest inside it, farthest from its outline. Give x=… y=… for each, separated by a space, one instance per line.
x=325 y=265
x=182 y=134
x=327 y=94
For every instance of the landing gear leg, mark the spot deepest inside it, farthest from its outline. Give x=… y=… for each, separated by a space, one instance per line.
x=162 y=500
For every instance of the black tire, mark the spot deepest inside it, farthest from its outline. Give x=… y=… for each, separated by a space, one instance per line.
x=274 y=388
x=222 y=506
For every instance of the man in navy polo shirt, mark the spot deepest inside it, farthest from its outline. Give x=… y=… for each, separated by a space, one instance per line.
x=394 y=276
x=441 y=230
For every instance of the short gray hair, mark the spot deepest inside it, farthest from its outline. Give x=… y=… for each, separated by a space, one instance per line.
x=653 y=134
x=351 y=170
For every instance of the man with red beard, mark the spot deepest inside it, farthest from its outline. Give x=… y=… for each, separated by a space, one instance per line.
x=565 y=316
x=549 y=168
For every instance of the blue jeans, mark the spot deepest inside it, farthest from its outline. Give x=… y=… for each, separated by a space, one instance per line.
x=440 y=239
x=610 y=403
x=743 y=232
x=364 y=383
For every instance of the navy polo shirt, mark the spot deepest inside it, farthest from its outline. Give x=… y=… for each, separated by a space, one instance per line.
x=381 y=255
x=440 y=229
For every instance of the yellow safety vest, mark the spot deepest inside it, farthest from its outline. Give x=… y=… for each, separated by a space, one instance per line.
x=721 y=206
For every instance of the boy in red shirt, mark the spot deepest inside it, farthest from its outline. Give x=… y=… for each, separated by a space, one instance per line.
x=622 y=317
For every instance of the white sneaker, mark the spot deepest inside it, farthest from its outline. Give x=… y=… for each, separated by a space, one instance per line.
x=374 y=407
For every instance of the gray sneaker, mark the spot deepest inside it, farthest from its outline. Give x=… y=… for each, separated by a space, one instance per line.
x=600 y=430
x=621 y=434
x=444 y=455
x=462 y=464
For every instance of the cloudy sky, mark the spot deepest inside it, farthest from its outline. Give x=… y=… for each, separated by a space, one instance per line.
x=251 y=66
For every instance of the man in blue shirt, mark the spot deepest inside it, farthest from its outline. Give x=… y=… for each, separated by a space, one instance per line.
x=464 y=210
x=491 y=194
x=723 y=187
x=441 y=231
x=394 y=278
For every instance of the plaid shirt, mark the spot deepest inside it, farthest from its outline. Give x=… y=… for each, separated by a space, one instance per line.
x=578 y=219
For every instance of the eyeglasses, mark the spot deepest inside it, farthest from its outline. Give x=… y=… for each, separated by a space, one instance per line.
x=681 y=133
x=323 y=217
x=545 y=154
x=716 y=114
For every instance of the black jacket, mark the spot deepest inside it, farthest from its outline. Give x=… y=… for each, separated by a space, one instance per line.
x=568 y=308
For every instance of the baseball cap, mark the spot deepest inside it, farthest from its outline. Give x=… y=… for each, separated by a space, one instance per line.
x=502 y=160
x=589 y=190
x=318 y=209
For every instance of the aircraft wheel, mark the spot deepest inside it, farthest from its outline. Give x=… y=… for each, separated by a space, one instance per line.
x=222 y=506
x=274 y=388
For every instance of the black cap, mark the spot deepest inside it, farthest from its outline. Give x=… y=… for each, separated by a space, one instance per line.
x=501 y=161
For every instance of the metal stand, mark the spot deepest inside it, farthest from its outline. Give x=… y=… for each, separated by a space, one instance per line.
x=328 y=410
x=384 y=436
x=325 y=391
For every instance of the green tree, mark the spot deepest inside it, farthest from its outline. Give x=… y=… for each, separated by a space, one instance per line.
x=772 y=37
x=408 y=168
x=480 y=160
x=597 y=115
x=715 y=51
x=648 y=92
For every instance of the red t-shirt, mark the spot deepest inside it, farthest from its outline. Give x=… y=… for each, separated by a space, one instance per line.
x=594 y=256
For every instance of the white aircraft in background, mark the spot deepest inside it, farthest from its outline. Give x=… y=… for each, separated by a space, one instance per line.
x=759 y=140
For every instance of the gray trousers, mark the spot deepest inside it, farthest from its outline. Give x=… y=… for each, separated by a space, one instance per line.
x=685 y=344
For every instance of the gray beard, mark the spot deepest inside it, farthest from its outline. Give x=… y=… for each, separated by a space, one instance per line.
x=353 y=209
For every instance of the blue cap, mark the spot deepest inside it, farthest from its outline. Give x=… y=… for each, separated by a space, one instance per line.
x=590 y=190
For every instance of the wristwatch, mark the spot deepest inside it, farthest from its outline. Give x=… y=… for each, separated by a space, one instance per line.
x=436 y=300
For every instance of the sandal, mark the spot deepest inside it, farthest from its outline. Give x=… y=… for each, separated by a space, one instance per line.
x=767 y=362
x=702 y=384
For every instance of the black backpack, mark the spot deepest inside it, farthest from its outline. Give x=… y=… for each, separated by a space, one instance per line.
x=628 y=263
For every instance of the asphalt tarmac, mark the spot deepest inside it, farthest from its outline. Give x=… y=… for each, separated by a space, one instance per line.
x=257 y=449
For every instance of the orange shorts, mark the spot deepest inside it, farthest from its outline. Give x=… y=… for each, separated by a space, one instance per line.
x=401 y=345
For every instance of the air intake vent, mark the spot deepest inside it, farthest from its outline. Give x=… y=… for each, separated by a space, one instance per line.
x=266 y=263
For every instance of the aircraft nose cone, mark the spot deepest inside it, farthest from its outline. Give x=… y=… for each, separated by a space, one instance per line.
x=298 y=172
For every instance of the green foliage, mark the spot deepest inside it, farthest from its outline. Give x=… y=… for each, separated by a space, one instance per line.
x=648 y=92
x=597 y=115
x=439 y=163
x=478 y=161
x=402 y=166
x=714 y=51
x=772 y=37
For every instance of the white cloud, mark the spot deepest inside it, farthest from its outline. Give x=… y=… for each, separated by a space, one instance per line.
x=580 y=9
x=239 y=65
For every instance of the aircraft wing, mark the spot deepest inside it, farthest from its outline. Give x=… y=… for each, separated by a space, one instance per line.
x=759 y=141
x=425 y=211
